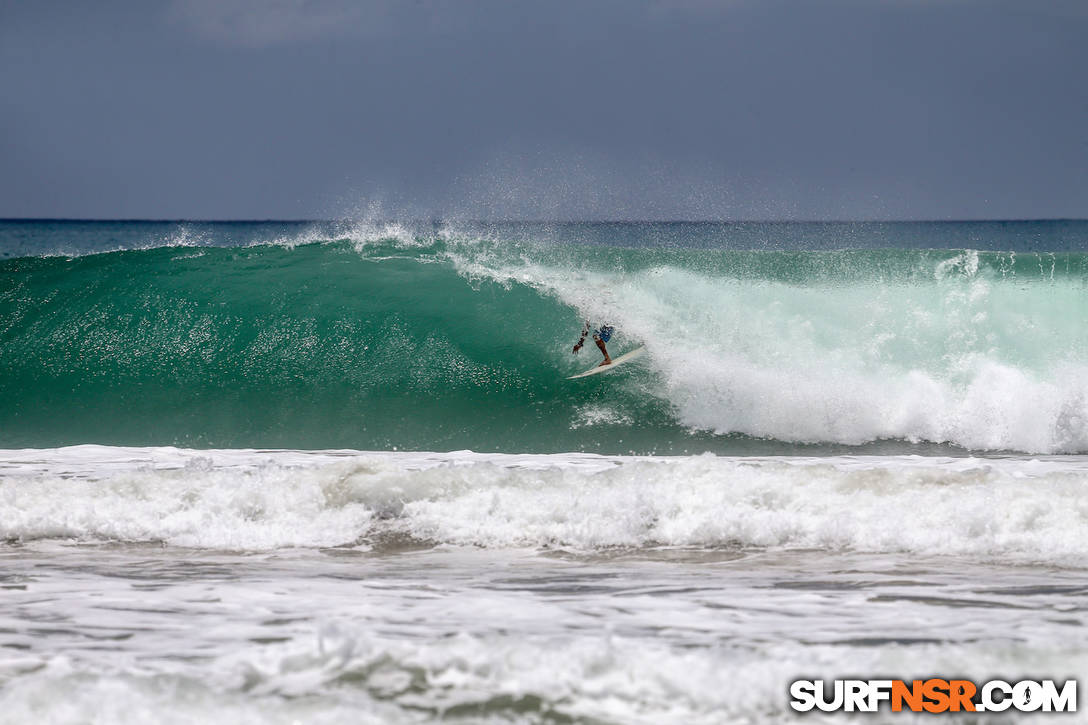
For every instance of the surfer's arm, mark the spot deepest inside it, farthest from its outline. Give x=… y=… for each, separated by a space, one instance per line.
x=582 y=339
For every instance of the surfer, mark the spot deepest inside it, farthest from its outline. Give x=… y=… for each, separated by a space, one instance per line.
x=601 y=335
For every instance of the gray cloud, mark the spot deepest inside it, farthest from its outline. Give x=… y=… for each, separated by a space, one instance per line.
x=602 y=109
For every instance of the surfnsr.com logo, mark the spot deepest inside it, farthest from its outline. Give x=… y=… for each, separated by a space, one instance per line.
x=933 y=695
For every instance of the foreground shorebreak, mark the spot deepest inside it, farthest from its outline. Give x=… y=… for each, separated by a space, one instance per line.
x=338 y=586
x=1017 y=510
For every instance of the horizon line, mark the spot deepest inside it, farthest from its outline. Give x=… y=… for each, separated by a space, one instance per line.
x=420 y=220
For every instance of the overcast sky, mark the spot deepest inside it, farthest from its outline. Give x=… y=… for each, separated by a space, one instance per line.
x=589 y=109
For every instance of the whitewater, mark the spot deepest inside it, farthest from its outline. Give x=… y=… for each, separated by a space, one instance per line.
x=334 y=471
x=1004 y=510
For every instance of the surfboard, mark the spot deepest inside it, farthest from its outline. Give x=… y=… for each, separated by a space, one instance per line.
x=616 y=362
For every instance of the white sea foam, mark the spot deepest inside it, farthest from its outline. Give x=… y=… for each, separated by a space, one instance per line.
x=593 y=414
x=983 y=364
x=347 y=674
x=1010 y=510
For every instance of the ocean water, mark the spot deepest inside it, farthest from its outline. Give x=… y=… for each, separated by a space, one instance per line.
x=334 y=472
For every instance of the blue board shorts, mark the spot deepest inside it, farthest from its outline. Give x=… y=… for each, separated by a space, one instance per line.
x=604 y=333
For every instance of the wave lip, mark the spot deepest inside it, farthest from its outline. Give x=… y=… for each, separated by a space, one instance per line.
x=1012 y=510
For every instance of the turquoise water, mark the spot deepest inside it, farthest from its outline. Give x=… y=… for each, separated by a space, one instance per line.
x=761 y=338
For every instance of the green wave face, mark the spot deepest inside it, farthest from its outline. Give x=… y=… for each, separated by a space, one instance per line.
x=311 y=347
x=444 y=341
